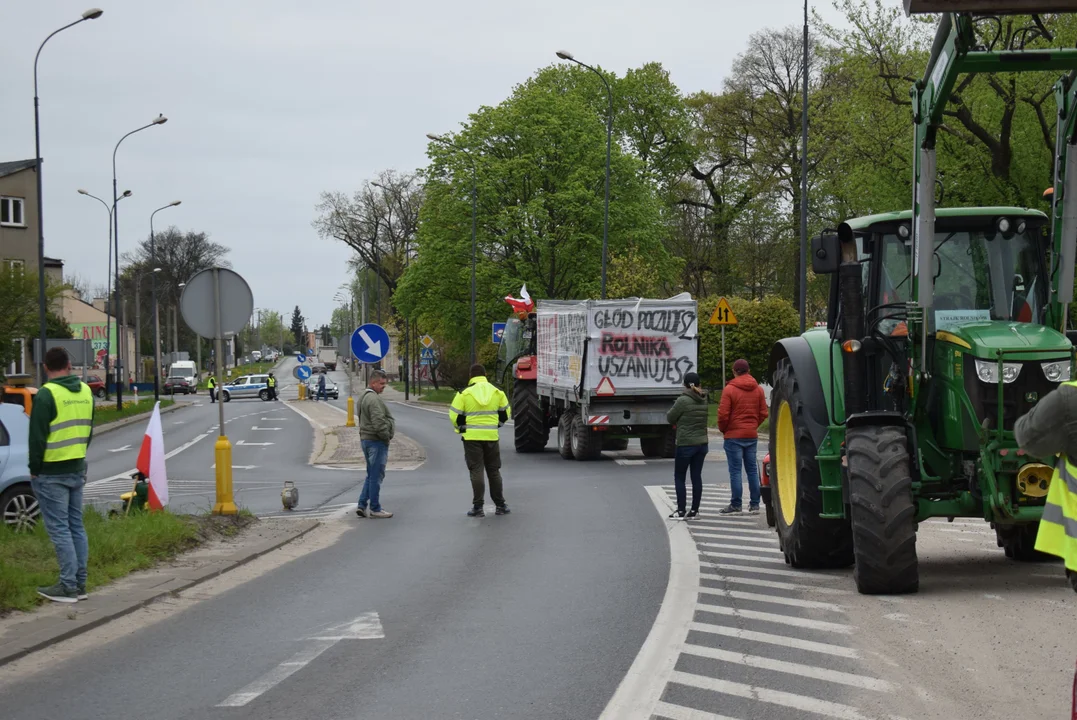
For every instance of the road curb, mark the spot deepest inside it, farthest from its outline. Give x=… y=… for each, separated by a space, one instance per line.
x=109 y=427
x=42 y=638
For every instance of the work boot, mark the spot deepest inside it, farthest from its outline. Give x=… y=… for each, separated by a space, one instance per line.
x=729 y=510
x=502 y=510
x=476 y=511
x=380 y=514
x=58 y=593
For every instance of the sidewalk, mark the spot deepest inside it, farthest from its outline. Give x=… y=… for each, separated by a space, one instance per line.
x=24 y=633
x=336 y=445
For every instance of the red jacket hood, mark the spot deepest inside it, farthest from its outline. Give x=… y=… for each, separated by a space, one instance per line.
x=744 y=382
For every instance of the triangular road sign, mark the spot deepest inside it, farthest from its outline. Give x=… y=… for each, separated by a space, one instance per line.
x=605 y=387
x=723 y=314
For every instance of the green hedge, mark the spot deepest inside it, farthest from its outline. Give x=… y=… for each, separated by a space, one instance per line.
x=760 y=324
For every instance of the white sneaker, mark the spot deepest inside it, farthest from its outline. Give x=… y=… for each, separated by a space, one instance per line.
x=380 y=514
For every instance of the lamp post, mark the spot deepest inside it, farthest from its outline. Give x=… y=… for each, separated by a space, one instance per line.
x=804 y=183
x=159 y=120
x=91 y=14
x=138 y=319
x=108 y=300
x=474 y=197
x=156 y=313
x=566 y=55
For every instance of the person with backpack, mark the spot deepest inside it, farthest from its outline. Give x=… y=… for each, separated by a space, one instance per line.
x=742 y=410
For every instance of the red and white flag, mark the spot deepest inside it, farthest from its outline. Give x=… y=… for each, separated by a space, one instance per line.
x=151 y=460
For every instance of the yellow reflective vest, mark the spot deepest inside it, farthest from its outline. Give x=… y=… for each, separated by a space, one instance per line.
x=1058 y=527
x=69 y=431
x=211 y=383
x=474 y=412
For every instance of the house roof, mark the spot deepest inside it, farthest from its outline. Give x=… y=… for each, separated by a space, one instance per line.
x=14 y=166
x=53 y=262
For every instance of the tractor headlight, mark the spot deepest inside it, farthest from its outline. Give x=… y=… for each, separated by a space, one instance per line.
x=987 y=371
x=1057 y=371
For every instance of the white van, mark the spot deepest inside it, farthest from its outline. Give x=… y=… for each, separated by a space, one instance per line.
x=185 y=369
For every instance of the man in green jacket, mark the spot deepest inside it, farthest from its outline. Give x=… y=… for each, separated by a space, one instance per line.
x=61 y=423
x=476 y=414
x=689 y=415
x=376 y=430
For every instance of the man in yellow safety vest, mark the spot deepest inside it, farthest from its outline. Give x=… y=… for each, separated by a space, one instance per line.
x=212 y=385
x=1048 y=429
x=61 y=424
x=477 y=413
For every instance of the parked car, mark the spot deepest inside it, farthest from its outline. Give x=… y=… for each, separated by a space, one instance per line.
x=97 y=385
x=18 y=504
x=247 y=386
x=176 y=384
x=764 y=490
x=331 y=389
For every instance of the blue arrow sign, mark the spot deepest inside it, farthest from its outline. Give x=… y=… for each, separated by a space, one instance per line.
x=370 y=343
x=498 y=330
x=301 y=358
x=304 y=372
x=310 y=351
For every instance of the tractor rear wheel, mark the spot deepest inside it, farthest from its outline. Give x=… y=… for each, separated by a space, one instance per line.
x=807 y=540
x=883 y=511
x=1019 y=542
x=564 y=435
x=528 y=421
x=586 y=443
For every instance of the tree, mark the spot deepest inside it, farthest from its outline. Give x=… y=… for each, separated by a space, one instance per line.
x=80 y=285
x=19 y=312
x=298 y=327
x=761 y=323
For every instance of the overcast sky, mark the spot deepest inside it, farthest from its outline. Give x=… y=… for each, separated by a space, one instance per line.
x=271 y=102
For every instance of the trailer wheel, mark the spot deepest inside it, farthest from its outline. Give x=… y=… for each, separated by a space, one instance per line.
x=1019 y=542
x=652 y=446
x=586 y=443
x=883 y=511
x=529 y=422
x=564 y=435
x=807 y=540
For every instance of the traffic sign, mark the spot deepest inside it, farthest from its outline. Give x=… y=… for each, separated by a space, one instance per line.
x=310 y=351
x=370 y=343
x=303 y=372
x=426 y=340
x=426 y=356
x=723 y=314
x=301 y=358
x=605 y=388
x=498 y=330
x=216 y=301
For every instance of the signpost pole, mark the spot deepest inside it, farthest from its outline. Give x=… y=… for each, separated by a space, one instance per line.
x=223 y=449
x=723 y=356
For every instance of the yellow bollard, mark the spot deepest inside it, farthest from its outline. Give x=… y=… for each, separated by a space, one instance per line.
x=302 y=391
x=223 y=452
x=351 y=412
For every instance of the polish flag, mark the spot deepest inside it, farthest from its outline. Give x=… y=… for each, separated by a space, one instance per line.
x=525 y=305
x=151 y=461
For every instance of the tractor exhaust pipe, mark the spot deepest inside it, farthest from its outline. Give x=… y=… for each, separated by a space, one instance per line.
x=850 y=285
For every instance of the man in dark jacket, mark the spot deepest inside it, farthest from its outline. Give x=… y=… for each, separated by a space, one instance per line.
x=742 y=410
x=689 y=416
x=61 y=424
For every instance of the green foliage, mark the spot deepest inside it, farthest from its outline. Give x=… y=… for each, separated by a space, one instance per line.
x=760 y=323
x=298 y=327
x=109 y=413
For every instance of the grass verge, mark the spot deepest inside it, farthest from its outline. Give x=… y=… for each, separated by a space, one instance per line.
x=108 y=413
x=441 y=395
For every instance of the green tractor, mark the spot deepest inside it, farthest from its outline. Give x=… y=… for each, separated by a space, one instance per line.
x=944 y=327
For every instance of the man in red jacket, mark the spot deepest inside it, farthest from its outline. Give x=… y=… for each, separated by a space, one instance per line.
x=742 y=410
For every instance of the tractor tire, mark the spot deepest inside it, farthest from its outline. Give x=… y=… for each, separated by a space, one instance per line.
x=586 y=443
x=883 y=510
x=614 y=444
x=807 y=540
x=528 y=420
x=652 y=446
x=564 y=435
x=1019 y=542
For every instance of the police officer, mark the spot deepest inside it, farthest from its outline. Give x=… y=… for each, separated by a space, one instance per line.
x=477 y=413
x=212 y=384
x=1050 y=428
x=271 y=382
x=61 y=423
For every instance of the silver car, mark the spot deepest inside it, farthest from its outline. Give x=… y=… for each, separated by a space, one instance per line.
x=18 y=504
x=331 y=389
x=247 y=386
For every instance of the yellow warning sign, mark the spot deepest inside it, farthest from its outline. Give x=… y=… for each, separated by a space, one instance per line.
x=723 y=314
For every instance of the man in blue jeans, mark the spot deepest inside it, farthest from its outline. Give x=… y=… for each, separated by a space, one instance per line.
x=376 y=430
x=742 y=410
x=61 y=423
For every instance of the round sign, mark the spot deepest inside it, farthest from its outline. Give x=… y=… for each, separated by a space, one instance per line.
x=301 y=358
x=303 y=372
x=310 y=351
x=295 y=372
x=216 y=301
x=370 y=343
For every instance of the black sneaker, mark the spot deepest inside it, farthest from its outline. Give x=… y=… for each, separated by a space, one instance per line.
x=82 y=594
x=729 y=510
x=677 y=515
x=753 y=509
x=58 y=593
x=476 y=511
x=502 y=510
x=691 y=514
x=362 y=512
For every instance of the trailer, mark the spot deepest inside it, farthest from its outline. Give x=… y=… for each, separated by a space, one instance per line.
x=600 y=371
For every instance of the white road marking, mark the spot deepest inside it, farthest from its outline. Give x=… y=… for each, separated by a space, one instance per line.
x=678 y=712
x=740 y=538
x=120 y=449
x=778 y=618
x=799 y=574
x=366 y=626
x=179 y=422
x=236 y=467
x=255 y=427
x=749 y=548
x=774 y=584
x=775 y=599
x=863 y=682
x=250 y=444
x=622 y=461
x=707 y=525
x=741 y=556
x=781 y=640
x=269 y=418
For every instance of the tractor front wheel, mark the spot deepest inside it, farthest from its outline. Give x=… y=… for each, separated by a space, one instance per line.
x=807 y=540
x=528 y=420
x=883 y=511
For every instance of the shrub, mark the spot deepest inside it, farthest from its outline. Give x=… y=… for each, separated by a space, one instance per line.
x=760 y=324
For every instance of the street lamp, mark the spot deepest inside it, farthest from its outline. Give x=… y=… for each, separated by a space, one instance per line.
x=138 y=319
x=91 y=14
x=566 y=55
x=474 y=196
x=156 y=314
x=159 y=120
x=108 y=300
